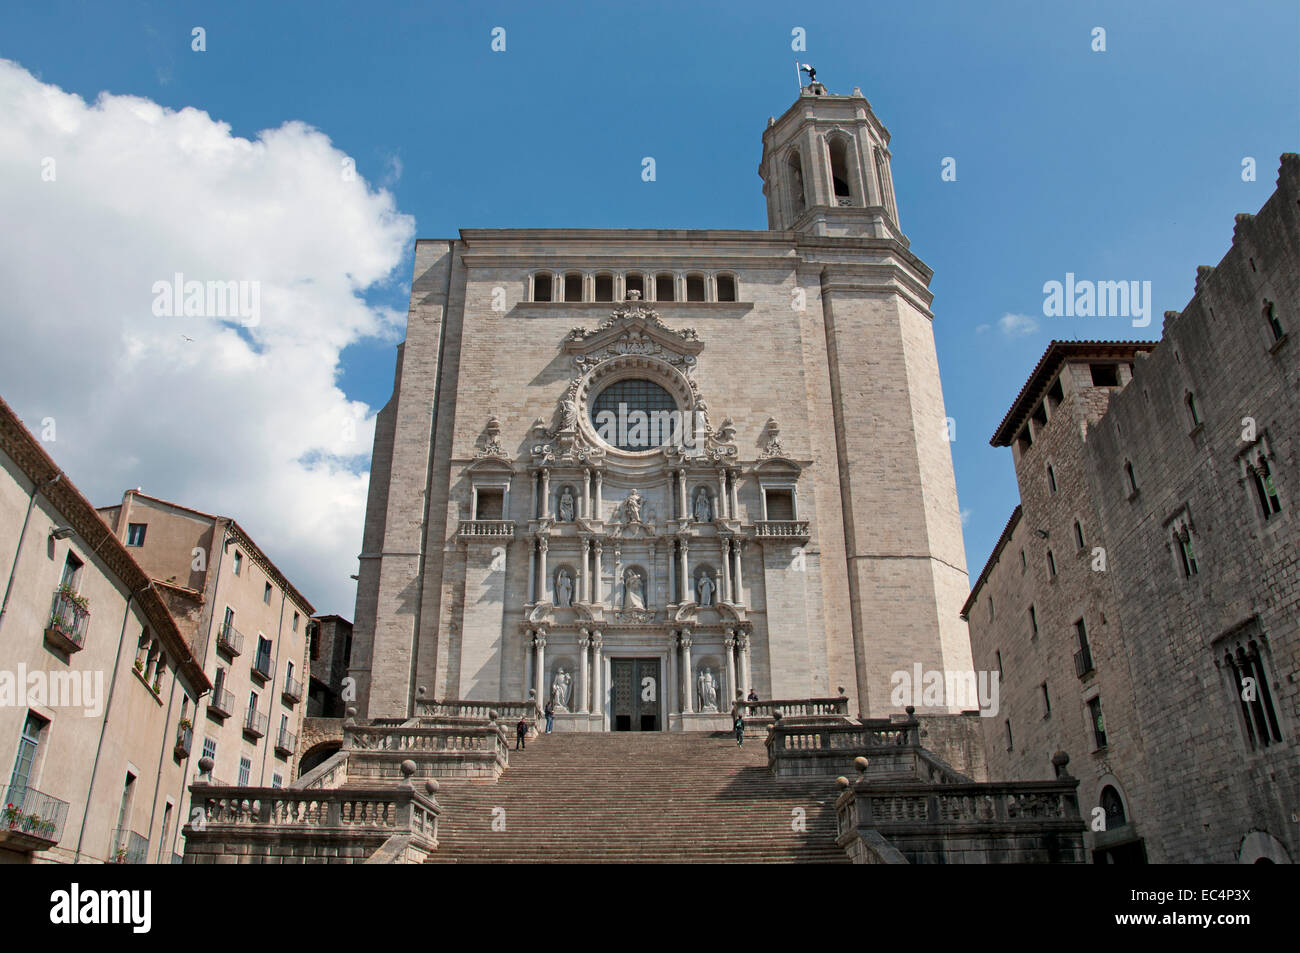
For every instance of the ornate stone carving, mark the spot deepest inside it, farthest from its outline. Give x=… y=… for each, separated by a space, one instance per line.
x=708 y=688
x=632 y=507
x=772 y=448
x=492 y=439
x=566 y=505
x=563 y=589
x=560 y=690
x=704 y=589
x=703 y=508
x=633 y=590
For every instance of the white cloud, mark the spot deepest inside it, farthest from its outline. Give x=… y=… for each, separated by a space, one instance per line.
x=965 y=517
x=1017 y=325
x=244 y=421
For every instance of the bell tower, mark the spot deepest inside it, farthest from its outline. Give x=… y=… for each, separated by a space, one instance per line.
x=825 y=168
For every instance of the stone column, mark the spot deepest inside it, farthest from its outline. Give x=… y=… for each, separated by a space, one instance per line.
x=600 y=503
x=586 y=494
x=722 y=496
x=539 y=667
x=597 y=673
x=725 y=594
x=529 y=678
x=674 y=679
x=742 y=641
x=687 y=595
x=532 y=482
x=653 y=572
x=584 y=642
x=682 y=511
x=545 y=579
x=598 y=583
x=735 y=502
x=546 y=493
x=532 y=570
x=739 y=593
x=582 y=572
x=730 y=646
x=687 y=673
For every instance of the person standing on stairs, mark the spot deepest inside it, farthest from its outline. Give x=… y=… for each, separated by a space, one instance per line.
x=738 y=720
x=521 y=733
x=550 y=716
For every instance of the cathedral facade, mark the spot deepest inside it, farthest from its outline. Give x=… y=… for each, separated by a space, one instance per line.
x=637 y=473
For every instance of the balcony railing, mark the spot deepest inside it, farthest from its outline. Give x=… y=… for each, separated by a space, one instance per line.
x=230 y=640
x=502 y=529
x=222 y=703
x=292 y=690
x=69 y=618
x=30 y=820
x=781 y=529
x=262 y=666
x=129 y=847
x=286 y=743
x=1083 y=661
x=254 y=724
x=184 y=738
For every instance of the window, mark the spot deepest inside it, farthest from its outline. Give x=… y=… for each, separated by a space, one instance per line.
x=573 y=287
x=1007 y=725
x=71 y=573
x=238 y=562
x=25 y=764
x=166 y=833
x=1083 y=656
x=1132 y=480
x=665 y=288
x=295 y=622
x=1033 y=622
x=694 y=287
x=1262 y=478
x=990 y=608
x=1025 y=440
x=490 y=503
x=124 y=814
x=840 y=171
x=614 y=414
x=252 y=705
x=1023 y=564
x=604 y=287
x=1274 y=325
x=210 y=748
x=1047 y=701
x=313 y=639
x=1104 y=375
x=541 y=287
x=1114 y=808
x=288 y=674
x=798 y=201
x=1186 y=555
x=277 y=781
x=1192 y=413
x=245 y=769
x=263 y=661
x=1097 y=722
x=284 y=725
x=135 y=533
x=779 y=504
x=726 y=287
x=634 y=283
x=1051 y=479
x=1051 y=565
x=1078 y=534
x=266 y=594
x=1242 y=661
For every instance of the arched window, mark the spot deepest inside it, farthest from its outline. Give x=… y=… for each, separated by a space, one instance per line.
x=1192 y=412
x=635 y=415
x=726 y=287
x=542 y=287
x=665 y=288
x=798 y=202
x=634 y=282
x=573 y=287
x=604 y=287
x=839 y=149
x=1113 y=805
x=694 y=287
x=1274 y=324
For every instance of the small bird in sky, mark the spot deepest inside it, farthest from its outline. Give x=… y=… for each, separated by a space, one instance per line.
x=188 y=338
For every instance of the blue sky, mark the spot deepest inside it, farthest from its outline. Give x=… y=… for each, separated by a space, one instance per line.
x=1116 y=165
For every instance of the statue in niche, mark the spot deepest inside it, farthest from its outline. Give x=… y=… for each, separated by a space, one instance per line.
x=703 y=509
x=568 y=414
x=560 y=690
x=563 y=589
x=632 y=507
x=708 y=690
x=704 y=588
x=633 y=590
x=566 y=505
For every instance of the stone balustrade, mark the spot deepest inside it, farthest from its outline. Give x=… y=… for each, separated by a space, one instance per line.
x=490 y=529
x=506 y=711
x=798 y=708
x=781 y=529
x=375 y=752
x=280 y=825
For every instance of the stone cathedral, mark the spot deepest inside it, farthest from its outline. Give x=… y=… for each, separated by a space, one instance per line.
x=637 y=472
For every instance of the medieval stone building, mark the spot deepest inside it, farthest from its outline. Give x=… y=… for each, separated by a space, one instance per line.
x=1142 y=601
x=636 y=472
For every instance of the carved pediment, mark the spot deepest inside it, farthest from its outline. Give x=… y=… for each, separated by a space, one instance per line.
x=633 y=329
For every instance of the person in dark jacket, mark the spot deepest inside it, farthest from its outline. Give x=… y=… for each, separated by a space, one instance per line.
x=521 y=733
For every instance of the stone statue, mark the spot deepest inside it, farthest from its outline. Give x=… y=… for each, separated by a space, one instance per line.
x=568 y=414
x=632 y=505
x=563 y=589
x=708 y=690
x=705 y=589
x=703 y=511
x=560 y=691
x=566 y=505
x=633 y=590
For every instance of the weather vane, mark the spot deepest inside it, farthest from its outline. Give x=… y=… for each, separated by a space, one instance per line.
x=805 y=68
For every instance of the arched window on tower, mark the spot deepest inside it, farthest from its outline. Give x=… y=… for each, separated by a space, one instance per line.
x=665 y=288
x=797 y=200
x=839 y=149
x=541 y=287
x=573 y=287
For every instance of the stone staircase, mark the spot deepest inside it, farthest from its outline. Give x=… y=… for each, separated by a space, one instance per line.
x=682 y=797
